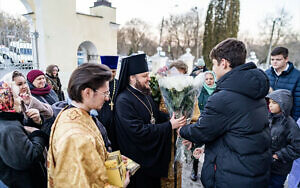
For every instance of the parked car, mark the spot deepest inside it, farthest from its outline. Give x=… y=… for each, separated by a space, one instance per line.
x=20 y=52
x=4 y=52
x=1 y=60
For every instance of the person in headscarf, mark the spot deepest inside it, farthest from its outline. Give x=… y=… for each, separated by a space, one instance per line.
x=21 y=144
x=53 y=80
x=30 y=101
x=209 y=87
x=143 y=133
x=207 y=90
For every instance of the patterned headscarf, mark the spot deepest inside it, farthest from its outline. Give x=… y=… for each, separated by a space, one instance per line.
x=6 y=98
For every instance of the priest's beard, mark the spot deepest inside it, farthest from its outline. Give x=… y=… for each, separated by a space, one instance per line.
x=142 y=88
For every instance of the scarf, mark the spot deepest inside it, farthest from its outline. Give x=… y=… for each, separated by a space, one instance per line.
x=209 y=89
x=40 y=91
x=6 y=98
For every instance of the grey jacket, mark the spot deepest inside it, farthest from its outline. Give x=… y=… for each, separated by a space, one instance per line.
x=285 y=133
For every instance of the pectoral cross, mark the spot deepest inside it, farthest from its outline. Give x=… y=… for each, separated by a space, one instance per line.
x=111 y=104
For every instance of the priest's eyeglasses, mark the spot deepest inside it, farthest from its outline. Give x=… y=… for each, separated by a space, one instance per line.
x=106 y=93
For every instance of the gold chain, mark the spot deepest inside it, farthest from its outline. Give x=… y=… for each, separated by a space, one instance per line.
x=150 y=111
x=113 y=94
x=111 y=104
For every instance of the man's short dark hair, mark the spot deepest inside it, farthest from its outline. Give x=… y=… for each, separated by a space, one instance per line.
x=87 y=75
x=230 y=49
x=280 y=51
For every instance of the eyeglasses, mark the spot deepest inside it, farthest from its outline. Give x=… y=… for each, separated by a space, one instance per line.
x=106 y=93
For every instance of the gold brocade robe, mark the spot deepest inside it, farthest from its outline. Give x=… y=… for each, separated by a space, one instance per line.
x=76 y=152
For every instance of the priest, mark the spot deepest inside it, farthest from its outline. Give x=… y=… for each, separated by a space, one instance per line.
x=143 y=133
x=106 y=113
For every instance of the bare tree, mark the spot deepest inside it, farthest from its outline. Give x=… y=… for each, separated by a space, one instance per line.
x=282 y=27
x=18 y=28
x=181 y=32
x=135 y=36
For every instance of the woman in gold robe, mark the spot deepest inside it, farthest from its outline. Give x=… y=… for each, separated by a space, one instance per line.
x=77 y=154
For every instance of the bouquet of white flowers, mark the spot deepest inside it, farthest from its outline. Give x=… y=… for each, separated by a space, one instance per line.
x=180 y=93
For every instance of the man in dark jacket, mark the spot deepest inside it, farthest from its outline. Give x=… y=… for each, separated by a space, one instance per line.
x=285 y=136
x=234 y=123
x=283 y=75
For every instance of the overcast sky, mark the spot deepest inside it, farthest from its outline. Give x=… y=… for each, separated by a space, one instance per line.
x=252 y=12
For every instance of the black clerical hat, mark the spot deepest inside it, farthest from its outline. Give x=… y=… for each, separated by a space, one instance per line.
x=131 y=65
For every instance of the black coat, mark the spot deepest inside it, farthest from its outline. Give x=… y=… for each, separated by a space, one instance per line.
x=56 y=86
x=234 y=128
x=105 y=115
x=285 y=133
x=147 y=144
x=21 y=155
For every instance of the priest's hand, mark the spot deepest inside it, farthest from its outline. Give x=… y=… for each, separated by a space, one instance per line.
x=176 y=123
x=127 y=179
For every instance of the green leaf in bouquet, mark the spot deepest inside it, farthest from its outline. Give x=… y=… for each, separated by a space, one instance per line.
x=155 y=90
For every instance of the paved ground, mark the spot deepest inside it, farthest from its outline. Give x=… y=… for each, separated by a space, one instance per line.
x=188 y=183
x=186 y=172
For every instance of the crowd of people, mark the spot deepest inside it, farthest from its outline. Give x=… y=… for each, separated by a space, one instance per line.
x=244 y=123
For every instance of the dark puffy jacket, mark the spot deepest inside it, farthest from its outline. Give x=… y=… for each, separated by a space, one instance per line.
x=285 y=133
x=234 y=128
x=21 y=155
x=290 y=80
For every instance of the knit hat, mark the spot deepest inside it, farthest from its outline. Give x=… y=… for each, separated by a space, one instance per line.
x=31 y=76
x=200 y=62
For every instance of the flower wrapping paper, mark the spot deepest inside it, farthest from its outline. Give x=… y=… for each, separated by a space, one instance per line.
x=180 y=93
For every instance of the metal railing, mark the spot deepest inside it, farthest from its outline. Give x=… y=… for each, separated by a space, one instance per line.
x=18 y=54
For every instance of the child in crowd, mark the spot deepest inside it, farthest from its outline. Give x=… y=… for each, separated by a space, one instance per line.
x=285 y=136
